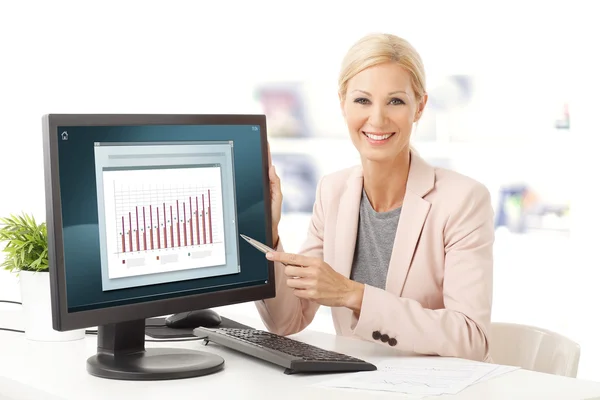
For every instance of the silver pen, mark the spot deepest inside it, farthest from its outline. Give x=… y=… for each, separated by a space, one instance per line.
x=258 y=245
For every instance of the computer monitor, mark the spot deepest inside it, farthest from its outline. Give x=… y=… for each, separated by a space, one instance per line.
x=144 y=216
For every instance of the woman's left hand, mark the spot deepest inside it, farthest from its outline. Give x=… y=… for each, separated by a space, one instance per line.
x=314 y=279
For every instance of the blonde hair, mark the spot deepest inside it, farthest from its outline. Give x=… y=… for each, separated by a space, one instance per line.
x=381 y=48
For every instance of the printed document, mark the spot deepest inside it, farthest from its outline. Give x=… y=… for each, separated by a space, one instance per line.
x=421 y=376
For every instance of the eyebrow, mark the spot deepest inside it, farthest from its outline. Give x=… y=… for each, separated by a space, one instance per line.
x=369 y=94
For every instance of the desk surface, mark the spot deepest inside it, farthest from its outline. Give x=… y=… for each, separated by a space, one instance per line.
x=58 y=370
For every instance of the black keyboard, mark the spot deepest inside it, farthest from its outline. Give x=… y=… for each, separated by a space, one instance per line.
x=293 y=355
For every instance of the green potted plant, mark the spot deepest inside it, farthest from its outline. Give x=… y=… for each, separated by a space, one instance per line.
x=26 y=254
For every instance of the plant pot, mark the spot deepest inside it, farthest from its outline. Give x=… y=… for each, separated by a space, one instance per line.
x=37 y=310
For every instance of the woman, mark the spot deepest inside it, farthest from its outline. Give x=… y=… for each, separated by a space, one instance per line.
x=400 y=250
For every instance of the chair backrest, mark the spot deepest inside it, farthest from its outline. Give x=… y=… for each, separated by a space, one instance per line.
x=534 y=349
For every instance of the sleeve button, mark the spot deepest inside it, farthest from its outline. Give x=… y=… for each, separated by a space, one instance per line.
x=393 y=342
x=385 y=338
x=376 y=335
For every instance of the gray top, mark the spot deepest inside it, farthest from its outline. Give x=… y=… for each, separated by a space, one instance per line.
x=374 y=244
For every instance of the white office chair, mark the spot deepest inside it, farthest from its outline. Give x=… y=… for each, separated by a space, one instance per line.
x=534 y=349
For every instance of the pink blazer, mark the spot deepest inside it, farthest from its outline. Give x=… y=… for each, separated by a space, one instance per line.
x=438 y=294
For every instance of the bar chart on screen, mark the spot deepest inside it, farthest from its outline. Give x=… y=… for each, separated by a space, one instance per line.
x=163 y=219
x=166 y=225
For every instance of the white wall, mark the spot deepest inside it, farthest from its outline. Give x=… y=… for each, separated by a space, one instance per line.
x=200 y=57
x=109 y=56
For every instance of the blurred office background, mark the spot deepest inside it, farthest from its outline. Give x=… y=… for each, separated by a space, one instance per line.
x=513 y=103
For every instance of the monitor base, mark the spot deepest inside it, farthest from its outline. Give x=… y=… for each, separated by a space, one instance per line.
x=122 y=355
x=155 y=364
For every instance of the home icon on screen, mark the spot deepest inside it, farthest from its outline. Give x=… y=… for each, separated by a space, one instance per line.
x=64 y=135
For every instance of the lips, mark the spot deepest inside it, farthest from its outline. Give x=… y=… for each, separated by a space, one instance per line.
x=378 y=138
x=378 y=135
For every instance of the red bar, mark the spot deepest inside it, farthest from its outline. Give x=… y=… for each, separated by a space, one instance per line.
x=123 y=234
x=209 y=218
x=144 y=225
x=178 y=233
x=172 y=241
x=197 y=223
x=203 y=220
x=157 y=227
x=184 y=227
x=191 y=224
x=137 y=229
x=165 y=222
x=151 y=230
x=130 y=236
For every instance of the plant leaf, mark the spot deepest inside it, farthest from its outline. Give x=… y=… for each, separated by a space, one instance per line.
x=26 y=243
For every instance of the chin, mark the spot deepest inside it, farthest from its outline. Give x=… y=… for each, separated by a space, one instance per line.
x=378 y=152
x=376 y=156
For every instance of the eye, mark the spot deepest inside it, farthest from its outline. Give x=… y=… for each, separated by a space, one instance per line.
x=396 y=101
x=361 y=100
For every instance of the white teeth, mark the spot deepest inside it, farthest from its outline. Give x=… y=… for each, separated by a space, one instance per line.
x=377 y=137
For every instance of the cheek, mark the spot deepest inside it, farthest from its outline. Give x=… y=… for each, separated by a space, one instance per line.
x=355 y=119
x=402 y=116
x=355 y=123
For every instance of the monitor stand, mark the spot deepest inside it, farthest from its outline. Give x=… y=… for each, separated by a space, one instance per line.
x=122 y=355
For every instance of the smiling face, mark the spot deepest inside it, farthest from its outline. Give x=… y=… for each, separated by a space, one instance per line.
x=380 y=108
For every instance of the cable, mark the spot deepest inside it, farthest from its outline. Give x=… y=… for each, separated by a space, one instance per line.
x=20 y=331
x=173 y=340
x=187 y=339
x=92 y=332
x=11 y=330
x=8 y=329
x=10 y=302
x=95 y=332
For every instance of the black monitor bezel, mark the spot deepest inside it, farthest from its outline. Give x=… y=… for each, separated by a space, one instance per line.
x=62 y=320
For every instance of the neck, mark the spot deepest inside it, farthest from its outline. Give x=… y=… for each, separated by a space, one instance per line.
x=385 y=182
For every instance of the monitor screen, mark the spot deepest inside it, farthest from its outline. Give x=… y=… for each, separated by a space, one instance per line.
x=147 y=211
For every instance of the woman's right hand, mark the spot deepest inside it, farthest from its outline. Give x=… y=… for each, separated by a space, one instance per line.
x=276 y=200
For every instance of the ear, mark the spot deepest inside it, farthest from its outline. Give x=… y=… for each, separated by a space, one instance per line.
x=421 y=107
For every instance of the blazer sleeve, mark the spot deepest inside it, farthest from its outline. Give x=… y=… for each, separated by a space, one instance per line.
x=286 y=314
x=461 y=328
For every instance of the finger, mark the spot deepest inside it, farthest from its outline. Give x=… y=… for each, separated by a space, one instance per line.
x=274 y=180
x=294 y=271
x=307 y=294
x=269 y=154
x=294 y=259
x=300 y=283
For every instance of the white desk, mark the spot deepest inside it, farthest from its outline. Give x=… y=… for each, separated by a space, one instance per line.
x=57 y=371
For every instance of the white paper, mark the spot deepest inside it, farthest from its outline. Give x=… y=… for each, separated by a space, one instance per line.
x=420 y=376
x=500 y=370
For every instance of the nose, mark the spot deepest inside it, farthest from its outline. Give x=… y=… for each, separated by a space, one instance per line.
x=377 y=117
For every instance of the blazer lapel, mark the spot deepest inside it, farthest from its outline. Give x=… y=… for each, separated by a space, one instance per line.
x=421 y=179
x=346 y=233
x=412 y=217
x=346 y=229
